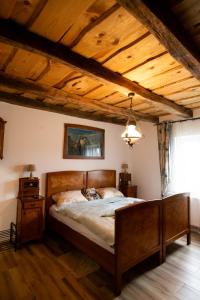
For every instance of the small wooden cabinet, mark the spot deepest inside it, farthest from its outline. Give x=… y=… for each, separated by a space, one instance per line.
x=30 y=219
x=30 y=211
x=129 y=190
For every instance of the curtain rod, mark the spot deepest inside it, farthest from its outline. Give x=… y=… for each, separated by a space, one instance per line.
x=179 y=121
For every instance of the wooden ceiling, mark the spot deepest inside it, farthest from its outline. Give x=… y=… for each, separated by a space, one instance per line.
x=83 y=57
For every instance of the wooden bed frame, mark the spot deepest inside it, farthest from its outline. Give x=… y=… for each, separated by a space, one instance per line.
x=138 y=228
x=176 y=219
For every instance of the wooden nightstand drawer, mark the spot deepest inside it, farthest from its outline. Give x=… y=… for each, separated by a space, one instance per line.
x=32 y=204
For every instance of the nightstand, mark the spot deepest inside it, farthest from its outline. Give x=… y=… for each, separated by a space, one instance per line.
x=30 y=211
x=30 y=219
x=129 y=190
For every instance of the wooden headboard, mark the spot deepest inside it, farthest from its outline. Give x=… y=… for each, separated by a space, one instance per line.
x=101 y=178
x=63 y=181
x=77 y=180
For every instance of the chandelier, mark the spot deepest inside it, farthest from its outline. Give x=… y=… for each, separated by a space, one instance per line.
x=132 y=133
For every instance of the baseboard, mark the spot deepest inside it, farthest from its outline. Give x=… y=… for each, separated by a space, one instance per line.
x=195 y=229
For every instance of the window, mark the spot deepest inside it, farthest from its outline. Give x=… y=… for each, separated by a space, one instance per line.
x=185 y=158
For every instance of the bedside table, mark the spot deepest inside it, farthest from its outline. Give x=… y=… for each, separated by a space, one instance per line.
x=129 y=190
x=30 y=219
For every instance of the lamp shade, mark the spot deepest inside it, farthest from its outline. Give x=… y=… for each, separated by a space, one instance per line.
x=131 y=134
x=30 y=168
x=124 y=166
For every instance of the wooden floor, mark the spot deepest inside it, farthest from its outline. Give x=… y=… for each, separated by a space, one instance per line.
x=56 y=270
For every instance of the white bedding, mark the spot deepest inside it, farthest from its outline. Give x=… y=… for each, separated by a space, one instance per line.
x=79 y=228
x=97 y=215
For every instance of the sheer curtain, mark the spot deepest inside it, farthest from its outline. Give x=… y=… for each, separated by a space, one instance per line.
x=184 y=164
x=185 y=158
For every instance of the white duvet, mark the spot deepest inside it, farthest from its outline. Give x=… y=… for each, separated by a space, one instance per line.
x=97 y=215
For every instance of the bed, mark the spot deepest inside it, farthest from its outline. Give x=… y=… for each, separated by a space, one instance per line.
x=176 y=220
x=138 y=229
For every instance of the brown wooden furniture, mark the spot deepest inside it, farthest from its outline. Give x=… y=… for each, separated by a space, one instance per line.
x=138 y=230
x=2 y=128
x=28 y=187
x=176 y=219
x=29 y=219
x=129 y=190
x=30 y=211
x=125 y=185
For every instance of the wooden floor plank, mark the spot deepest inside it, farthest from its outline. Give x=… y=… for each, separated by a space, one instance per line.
x=55 y=270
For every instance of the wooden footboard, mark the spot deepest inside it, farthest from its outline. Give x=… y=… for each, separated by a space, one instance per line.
x=176 y=219
x=138 y=234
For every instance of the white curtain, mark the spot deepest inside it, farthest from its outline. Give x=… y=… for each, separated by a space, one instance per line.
x=185 y=158
x=185 y=164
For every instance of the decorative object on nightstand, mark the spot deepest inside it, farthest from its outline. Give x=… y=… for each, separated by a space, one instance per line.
x=30 y=168
x=30 y=211
x=2 y=128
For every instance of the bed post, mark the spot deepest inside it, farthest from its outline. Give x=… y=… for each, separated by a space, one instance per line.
x=117 y=282
x=189 y=232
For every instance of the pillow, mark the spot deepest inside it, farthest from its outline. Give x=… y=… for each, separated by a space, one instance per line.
x=109 y=192
x=91 y=194
x=68 y=197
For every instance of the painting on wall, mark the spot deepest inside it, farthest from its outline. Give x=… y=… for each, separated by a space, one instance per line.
x=83 y=142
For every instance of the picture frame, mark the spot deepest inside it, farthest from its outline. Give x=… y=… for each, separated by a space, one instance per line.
x=83 y=142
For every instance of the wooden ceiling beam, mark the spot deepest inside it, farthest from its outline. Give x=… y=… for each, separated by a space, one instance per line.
x=160 y=21
x=16 y=99
x=44 y=91
x=17 y=36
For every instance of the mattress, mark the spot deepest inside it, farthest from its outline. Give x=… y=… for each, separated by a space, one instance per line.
x=80 y=228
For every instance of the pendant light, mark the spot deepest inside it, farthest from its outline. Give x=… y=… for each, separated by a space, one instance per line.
x=132 y=133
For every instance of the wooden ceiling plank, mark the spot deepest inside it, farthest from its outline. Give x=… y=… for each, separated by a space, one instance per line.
x=177 y=86
x=27 y=10
x=41 y=105
x=25 y=85
x=6 y=54
x=86 y=20
x=188 y=101
x=57 y=16
x=134 y=55
x=156 y=17
x=80 y=86
x=16 y=35
x=113 y=33
x=27 y=64
x=194 y=105
x=89 y=26
x=187 y=13
x=56 y=73
x=191 y=92
x=154 y=67
x=6 y=8
x=168 y=77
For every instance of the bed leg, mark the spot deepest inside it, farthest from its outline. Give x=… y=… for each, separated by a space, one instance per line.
x=118 y=284
x=160 y=257
x=189 y=238
x=164 y=254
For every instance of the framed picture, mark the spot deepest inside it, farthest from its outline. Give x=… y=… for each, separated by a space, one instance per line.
x=83 y=142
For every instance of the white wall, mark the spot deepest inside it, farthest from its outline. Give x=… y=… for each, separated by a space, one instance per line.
x=34 y=136
x=145 y=163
